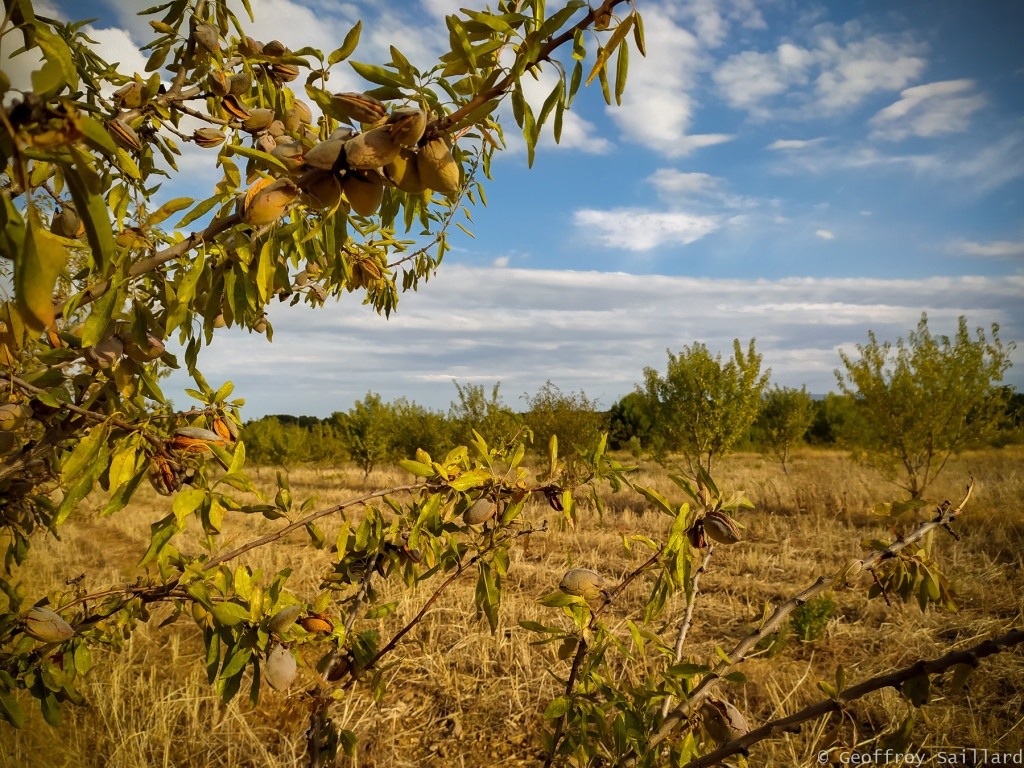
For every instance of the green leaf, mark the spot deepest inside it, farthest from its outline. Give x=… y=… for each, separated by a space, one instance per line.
x=229 y=614
x=471 y=479
x=167 y=210
x=416 y=468
x=10 y=709
x=348 y=45
x=255 y=154
x=81 y=470
x=605 y=52
x=621 y=67
x=917 y=690
x=560 y=600
x=376 y=74
x=187 y=502
x=558 y=707
x=36 y=270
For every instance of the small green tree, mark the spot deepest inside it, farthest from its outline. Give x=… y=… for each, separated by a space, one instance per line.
x=925 y=398
x=416 y=427
x=573 y=417
x=366 y=430
x=474 y=410
x=786 y=415
x=702 y=406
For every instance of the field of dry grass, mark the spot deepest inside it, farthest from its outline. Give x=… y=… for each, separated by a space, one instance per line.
x=462 y=697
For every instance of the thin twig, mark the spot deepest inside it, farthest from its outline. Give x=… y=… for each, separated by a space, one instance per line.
x=687 y=620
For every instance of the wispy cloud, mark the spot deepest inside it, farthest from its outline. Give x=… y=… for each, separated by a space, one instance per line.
x=835 y=71
x=825 y=234
x=929 y=110
x=586 y=330
x=993 y=249
x=636 y=229
x=787 y=145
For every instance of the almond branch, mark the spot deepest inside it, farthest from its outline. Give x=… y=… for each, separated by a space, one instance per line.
x=791 y=723
x=945 y=514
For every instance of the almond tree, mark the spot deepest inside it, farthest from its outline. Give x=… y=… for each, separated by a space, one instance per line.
x=926 y=397
x=320 y=195
x=701 y=405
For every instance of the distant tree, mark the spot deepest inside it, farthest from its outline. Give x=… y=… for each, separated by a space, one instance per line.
x=366 y=430
x=702 y=406
x=630 y=419
x=414 y=426
x=474 y=410
x=785 y=416
x=926 y=397
x=573 y=417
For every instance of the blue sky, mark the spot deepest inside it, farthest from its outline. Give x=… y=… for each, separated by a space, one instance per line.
x=797 y=172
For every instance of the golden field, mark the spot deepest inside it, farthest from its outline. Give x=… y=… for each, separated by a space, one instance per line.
x=462 y=697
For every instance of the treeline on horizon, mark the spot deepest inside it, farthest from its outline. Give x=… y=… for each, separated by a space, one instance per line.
x=375 y=433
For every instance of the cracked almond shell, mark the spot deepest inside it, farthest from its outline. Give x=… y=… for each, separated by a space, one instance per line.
x=327 y=155
x=373 y=149
x=269 y=203
x=407 y=125
x=207 y=137
x=47 y=626
x=358 y=108
x=721 y=528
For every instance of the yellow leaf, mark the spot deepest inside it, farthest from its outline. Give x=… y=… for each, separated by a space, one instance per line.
x=35 y=273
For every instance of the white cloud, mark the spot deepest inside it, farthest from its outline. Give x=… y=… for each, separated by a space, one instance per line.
x=835 y=72
x=657 y=108
x=794 y=144
x=501 y=262
x=669 y=181
x=749 y=78
x=583 y=330
x=825 y=234
x=853 y=72
x=712 y=19
x=700 y=191
x=635 y=229
x=929 y=110
x=993 y=249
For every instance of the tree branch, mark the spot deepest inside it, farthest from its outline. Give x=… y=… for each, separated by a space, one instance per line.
x=944 y=516
x=895 y=679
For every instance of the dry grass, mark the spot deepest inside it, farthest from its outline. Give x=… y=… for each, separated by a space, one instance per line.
x=461 y=697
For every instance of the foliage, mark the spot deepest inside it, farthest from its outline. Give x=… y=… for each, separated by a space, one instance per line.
x=108 y=268
x=702 y=406
x=573 y=418
x=366 y=430
x=630 y=419
x=785 y=416
x=474 y=410
x=105 y=275
x=284 y=441
x=810 y=619
x=926 y=397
